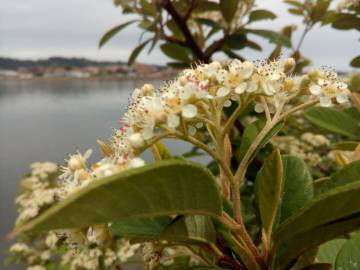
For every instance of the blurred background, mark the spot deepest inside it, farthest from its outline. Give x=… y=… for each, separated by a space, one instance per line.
x=60 y=92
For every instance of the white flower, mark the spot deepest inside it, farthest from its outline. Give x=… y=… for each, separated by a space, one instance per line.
x=325 y=101
x=246 y=70
x=222 y=92
x=342 y=97
x=221 y=76
x=191 y=130
x=241 y=88
x=252 y=87
x=227 y=103
x=136 y=162
x=315 y=89
x=188 y=91
x=189 y=111
x=136 y=140
x=259 y=108
x=173 y=121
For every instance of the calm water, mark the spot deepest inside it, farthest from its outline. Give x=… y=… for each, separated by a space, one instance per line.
x=46 y=119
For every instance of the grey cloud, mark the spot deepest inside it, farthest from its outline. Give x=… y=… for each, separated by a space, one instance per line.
x=42 y=28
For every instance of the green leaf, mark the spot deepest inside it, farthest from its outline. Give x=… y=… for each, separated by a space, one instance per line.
x=236 y=41
x=164 y=188
x=346 y=21
x=319 y=10
x=327 y=252
x=251 y=131
x=294 y=3
x=261 y=14
x=112 y=32
x=271 y=36
x=134 y=54
x=190 y=229
x=334 y=121
x=328 y=216
x=345 y=145
x=348 y=257
x=228 y=9
x=296 y=11
x=253 y=45
x=269 y=185
x=355 y=62
x=298 y=187
x=345 y=176
x=161 y=151
x=176 y=52
x=302 y=242
x=145 y=227
x=205 y=6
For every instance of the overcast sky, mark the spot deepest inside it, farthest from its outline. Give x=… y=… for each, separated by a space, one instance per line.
x=35 y=29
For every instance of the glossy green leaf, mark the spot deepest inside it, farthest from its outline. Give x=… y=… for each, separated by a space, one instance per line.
x=113 y=31
x=144 y=227
x=345 y=176
x=349 y=255
x=273 y=37
x=355 y=62
x=300 y=243
x=334 y=121
x=228 y=9
x=251 y=131
x=297 y=187
x=236 y=41
x=176 y=52
x=328 y=251
x=190 y=229
x=261 y=14
x=269 y=185
x=163 y=188
x=135 y=53
x=326 y=209
x=345 y=21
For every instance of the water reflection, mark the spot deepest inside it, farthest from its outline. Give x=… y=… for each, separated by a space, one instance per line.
x=46 y=119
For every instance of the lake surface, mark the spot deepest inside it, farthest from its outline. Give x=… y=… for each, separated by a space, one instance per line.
x=47 y=119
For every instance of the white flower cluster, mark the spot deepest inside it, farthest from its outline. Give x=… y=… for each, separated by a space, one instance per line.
x=304 y=147
x=327 y=86
x=84 y=247
x=185 y=104
x=38 y=191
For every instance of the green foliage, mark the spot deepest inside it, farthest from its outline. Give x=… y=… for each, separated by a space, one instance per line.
x=130 y=194
x=228 y=9
x=112 y=32
x=334 y=121
x=250 y=133
x=269 y=184
x=261 y=14
x=348 y=256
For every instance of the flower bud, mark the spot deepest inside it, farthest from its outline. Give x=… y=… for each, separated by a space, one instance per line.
x=289 y=64
x=147 y=89
x=76 y=163
x=313 y=75
x=136 y=140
